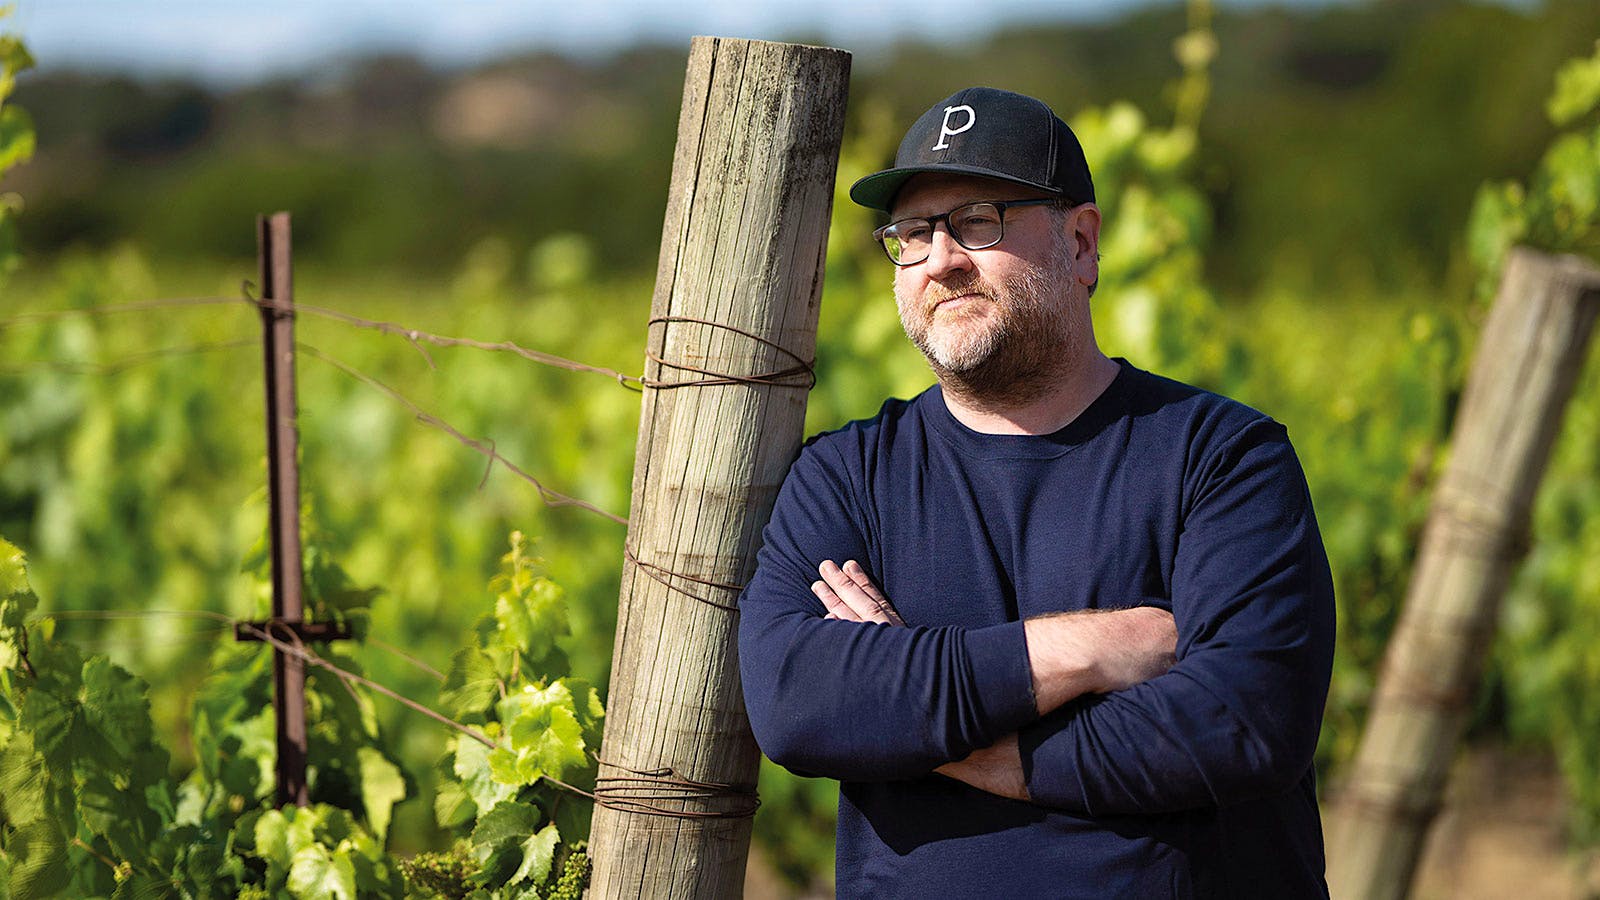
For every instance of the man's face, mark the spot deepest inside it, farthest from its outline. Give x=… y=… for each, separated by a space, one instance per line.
x=1003 y=305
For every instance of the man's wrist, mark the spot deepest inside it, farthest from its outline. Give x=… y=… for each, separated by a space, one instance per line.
x=1062 y=662
x=1097 y=652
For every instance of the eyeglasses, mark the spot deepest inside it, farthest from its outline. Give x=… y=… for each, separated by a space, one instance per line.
x=974 y=226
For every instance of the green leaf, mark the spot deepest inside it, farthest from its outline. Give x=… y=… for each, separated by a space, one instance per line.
x=14 y=55
x=1496 y=222
x=530 y=610
x=546 y=737
x=382 y=786
x=472 y=767
x=317 y=874
x=471 y=686
x=572 y=815
x=1571 y=175
x=497 y=840
x=38 y=854
x=17 y=601
x=272 y=845
x=538 y=852
x=50 y=717
x=533 y=615
x=507 y=822
x=16 y=137
x=22 y=781
x=110 y=810
x=115 y=705
x=145 y=886
x=452 y=804
x=1577 y=89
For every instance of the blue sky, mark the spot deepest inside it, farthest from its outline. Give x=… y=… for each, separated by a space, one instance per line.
x=230 y=41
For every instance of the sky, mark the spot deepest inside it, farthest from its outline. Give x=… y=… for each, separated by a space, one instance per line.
x=234 y=41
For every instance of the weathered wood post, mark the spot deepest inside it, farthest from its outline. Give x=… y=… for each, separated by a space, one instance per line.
x=1532 y=349
x=731 y=339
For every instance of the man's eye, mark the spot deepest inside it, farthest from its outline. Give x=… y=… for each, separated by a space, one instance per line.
x=913 y=231
x=979 y=220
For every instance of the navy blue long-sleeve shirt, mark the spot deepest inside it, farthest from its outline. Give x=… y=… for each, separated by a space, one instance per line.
x=1197 y=783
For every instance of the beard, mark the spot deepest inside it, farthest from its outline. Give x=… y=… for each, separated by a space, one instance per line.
x=1002 y=346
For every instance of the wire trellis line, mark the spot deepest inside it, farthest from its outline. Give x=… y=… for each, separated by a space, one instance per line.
x=550 y=496
x=111 y=309
x=124 y=363
x=417 y=337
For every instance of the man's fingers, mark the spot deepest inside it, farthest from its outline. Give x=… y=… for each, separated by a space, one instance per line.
x=837 y=609
x=849 y=593
x=859 y=576
x=866 y=607
x=852 y=586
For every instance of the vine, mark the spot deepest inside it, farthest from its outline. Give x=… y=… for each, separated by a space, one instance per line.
x=88 y=806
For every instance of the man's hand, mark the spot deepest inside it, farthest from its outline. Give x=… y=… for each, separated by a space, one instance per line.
x=1071 y=654
x=996 y=769
x=1088 y=652
x=850 y=595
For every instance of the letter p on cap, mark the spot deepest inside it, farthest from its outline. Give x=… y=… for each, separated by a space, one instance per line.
x=946 y=132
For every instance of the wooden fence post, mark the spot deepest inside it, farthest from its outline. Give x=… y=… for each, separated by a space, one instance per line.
x=1529 y=357
x=731 y=339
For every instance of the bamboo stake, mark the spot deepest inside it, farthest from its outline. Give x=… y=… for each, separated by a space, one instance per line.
x=1532 y=350
x=743 y=246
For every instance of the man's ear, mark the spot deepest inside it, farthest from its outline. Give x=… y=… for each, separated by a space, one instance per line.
x=1083 y=228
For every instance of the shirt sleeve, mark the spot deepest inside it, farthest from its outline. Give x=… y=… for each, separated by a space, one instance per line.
x=1237 y=716
x=862 y=702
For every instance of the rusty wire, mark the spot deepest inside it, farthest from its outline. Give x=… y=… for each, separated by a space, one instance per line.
x=661 y=573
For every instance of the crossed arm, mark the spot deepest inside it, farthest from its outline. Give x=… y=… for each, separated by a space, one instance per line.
x=1069 y=655
x=1236 y=716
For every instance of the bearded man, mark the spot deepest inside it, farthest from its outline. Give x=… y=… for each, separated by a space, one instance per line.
x=1074 y=625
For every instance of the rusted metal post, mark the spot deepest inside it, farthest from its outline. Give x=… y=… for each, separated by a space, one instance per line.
x=1529 y=358
x=283 y=473
x=732 y=332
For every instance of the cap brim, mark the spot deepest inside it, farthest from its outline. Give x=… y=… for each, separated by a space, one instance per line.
x=877 y=191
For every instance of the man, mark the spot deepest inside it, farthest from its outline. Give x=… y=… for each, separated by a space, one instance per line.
x=1073 y=627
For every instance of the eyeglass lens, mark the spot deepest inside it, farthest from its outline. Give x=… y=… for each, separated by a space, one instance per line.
x=974 y=226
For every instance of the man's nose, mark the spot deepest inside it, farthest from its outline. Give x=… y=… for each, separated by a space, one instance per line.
x=945 y=255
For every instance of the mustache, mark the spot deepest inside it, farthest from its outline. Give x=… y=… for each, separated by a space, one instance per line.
x=971 y=283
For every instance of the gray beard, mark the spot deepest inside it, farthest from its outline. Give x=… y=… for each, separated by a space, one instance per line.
x=1029 y=340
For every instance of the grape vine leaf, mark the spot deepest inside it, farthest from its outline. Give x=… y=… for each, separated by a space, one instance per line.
x=452 y=804
x=382 y=786
x=472 y=767
x=471 y=686
x=22 y=777
x=538 y=852
x=498 y=838
x=546 y=737
x=508 y=821
x=38 y=854
x=316 y=874
x=115 y=706
x=16 y=603
x=272 y=844
x=16 y=137
x=1577 y=89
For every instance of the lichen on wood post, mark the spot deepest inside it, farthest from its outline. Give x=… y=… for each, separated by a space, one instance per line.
x=731 y=337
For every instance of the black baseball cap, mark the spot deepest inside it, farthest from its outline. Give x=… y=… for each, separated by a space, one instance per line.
x=988 y=132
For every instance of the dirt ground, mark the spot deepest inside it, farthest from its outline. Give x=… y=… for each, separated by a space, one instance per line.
x=1499 y=836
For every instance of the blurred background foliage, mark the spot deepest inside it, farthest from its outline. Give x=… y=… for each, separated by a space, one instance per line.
x=1291 y=198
